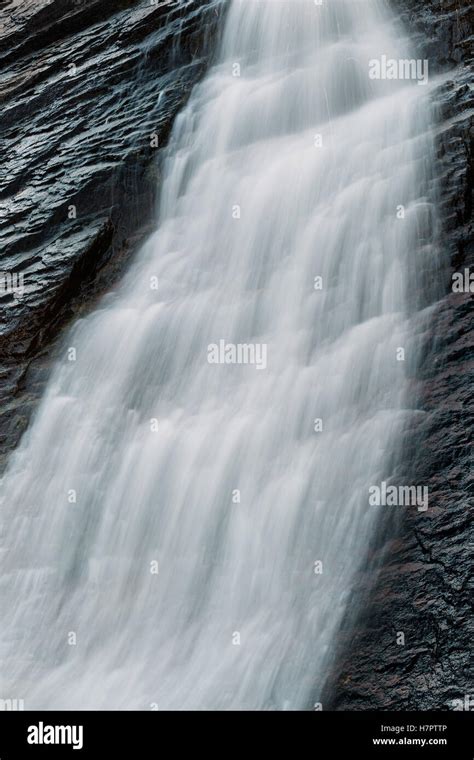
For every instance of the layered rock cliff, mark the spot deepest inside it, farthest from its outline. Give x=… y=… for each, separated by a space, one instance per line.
x=89 y=91
x=405 y=643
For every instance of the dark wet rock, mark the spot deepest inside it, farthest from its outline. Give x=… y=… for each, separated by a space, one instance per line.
x=422 y=590
x=89 y=88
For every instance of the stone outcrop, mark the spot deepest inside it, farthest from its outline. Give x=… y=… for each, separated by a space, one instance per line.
x=89 y=92
x=422 y=590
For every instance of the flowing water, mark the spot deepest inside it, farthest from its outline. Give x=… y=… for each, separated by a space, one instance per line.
x=184 y=534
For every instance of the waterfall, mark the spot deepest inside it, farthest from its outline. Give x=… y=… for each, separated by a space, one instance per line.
x=183 y=520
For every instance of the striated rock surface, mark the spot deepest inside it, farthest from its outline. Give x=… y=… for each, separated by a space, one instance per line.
x=88 y=92
x=423 y=590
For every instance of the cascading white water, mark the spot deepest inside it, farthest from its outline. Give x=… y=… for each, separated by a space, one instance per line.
x=168 y=511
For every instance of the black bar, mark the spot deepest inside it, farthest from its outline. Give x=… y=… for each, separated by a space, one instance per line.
x=151 y=734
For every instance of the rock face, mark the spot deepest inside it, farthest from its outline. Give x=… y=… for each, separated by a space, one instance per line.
x=408 y=647
x=89 y=92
